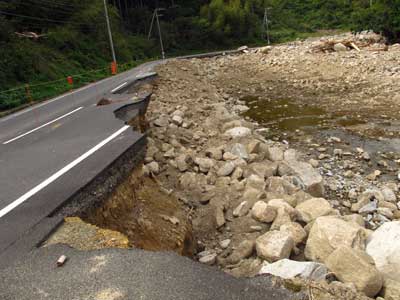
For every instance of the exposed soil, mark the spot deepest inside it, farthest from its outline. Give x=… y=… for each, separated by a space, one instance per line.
x=336 y=110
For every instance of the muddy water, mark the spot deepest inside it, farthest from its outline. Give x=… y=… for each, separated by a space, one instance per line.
x=299 y=123
x=283 y=115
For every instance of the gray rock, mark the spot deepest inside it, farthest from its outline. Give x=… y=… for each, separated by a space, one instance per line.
x=240 y=151
x=309 y=178
x=225 y=243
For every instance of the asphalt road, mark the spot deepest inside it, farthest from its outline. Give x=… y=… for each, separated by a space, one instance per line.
x=115 y=274
x=51 y=150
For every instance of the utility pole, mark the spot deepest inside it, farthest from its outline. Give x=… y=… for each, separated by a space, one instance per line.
x=266 y=25
x=156 y=16
x=109 y=33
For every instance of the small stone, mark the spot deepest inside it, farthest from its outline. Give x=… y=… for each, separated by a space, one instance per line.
x=162 y=121
x=177 y=120
x=242 y=209
x=314 y=163
x=238 y=132
x=225 y=243
x=226 y=169
x=153 y=167
x=208 y=259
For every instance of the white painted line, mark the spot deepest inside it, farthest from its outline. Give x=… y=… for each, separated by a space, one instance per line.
x=44 y=125
x=58 y=174
x=119 y=87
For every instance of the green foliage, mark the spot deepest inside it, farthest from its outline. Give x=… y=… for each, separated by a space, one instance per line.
x=75 y=37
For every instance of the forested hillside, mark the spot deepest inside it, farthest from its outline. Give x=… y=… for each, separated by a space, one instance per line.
x=71 y=36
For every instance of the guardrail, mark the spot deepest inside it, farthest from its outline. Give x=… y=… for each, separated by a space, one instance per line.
x=28 y=94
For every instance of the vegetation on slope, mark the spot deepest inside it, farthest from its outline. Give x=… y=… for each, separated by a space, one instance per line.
x=73 y=37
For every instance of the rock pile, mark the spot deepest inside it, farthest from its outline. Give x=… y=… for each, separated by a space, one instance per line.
x=257 y=207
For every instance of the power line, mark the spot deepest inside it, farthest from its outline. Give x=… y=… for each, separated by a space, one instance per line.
x=39 y=19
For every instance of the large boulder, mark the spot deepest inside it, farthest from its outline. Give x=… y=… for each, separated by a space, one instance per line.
x=308 y=177
x=313 y=208
x=290 y=269
x=274 y=245
x=357 y=267
x=329 y=233
x=384 y=247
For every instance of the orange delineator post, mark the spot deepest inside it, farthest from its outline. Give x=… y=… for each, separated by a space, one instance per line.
x=114 y=68
x=70 y=80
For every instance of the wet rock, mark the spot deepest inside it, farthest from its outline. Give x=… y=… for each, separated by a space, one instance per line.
x=290 y=269
x=238 y=132
x=274 y=245
x=329 y=233
x=242 y=209
x=313 y=208
x=226 y=169
x=355 y=266
x=263 y=213
x=296 y=231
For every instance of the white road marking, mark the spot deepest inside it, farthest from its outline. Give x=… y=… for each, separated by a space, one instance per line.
x=119 y=87
x=44 y=125
x=61 y=172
